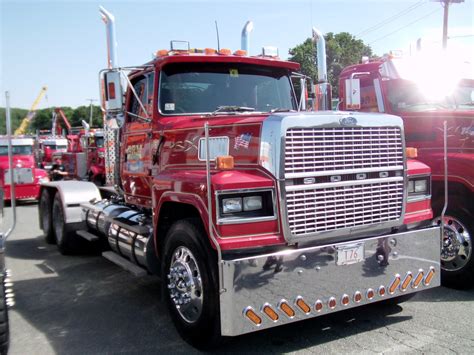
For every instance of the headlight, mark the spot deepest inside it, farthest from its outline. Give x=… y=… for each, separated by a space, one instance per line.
x=232 y=205
x=236 y=207
x=419 y=186
x=43 y=179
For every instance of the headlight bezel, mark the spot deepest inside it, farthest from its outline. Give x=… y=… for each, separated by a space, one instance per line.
x=418 y=187
x=246 y=215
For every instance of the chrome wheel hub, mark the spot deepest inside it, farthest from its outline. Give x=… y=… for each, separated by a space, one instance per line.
x=456 y=246
x=185 y=284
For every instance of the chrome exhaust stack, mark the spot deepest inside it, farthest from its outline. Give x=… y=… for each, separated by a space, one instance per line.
x=245 y=38
x=323 y=91
x=109 y=20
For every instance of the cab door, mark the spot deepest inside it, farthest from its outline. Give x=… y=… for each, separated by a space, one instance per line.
x=136 y=141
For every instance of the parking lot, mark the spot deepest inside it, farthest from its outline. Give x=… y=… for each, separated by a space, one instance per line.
x=87 y=305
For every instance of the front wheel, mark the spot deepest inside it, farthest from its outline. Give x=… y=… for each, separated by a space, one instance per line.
x=457 y=261
x=191 y=287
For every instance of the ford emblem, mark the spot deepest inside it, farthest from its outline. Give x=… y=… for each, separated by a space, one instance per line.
x=348 y=121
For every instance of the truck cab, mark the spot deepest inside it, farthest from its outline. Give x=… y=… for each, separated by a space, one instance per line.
x=48 y=147
x=27 y=176
x=426 y=92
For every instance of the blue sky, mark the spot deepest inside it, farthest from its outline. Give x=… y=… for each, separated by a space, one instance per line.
x=61 y=44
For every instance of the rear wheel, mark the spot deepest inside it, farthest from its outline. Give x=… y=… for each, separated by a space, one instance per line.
x=457 y=260
x=66 y=239
x=189 y=266
x=45 y=209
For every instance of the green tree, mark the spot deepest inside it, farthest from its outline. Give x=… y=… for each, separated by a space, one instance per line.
x=83 y=113
x=342 y=49
x=17 y=115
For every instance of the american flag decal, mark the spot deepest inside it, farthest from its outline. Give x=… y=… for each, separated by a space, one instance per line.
x=242 y=141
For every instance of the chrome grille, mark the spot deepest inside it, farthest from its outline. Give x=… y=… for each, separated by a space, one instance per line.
x=326 y=209
x=310 y=150
x=21 y=176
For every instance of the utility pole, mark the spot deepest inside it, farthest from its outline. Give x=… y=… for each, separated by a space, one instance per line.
x=90 y=116
x=445 y=4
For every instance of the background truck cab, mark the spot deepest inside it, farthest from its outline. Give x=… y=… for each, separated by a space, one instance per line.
x=425 y=92
x=27 y=176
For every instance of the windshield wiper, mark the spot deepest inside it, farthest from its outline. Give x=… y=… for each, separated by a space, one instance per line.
x=233 y=109
x=275 y=110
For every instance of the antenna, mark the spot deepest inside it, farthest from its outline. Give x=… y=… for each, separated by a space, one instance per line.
x=217 y=33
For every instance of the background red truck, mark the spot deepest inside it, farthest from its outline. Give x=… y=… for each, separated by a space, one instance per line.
x=425 y=92
x=254 y=214
x=27 y=176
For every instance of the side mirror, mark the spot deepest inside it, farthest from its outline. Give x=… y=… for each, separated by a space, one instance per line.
x=352 y=98
x=112 y=95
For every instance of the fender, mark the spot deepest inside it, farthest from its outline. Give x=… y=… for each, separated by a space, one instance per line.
x=72 y=194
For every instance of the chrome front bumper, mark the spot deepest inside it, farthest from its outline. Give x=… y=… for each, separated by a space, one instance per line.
x=312 y=275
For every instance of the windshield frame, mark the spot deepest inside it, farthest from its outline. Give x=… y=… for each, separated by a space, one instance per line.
x=157 y=105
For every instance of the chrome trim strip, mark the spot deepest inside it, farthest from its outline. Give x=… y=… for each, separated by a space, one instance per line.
x=342 y=172
x=341 y=184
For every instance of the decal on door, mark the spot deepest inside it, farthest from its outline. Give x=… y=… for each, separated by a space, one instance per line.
x=134 y=159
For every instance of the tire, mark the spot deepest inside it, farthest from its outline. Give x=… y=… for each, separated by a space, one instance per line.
x=66 y=239
x=45 y=212
x=4 y=322
x=189 y=259
x=457 y=259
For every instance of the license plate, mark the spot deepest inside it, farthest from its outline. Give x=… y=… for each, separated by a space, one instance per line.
x=350 y=254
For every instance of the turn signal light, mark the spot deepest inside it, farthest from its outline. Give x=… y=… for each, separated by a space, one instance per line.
x=285 y=307
x=303 y=305
x=209 y=51
x=407 y=281
x=270 y=313
x=394 y=284
x=225 y=162
x=411 y=152
x=318 y=306
x=418 y=279
x=429 y=277
x=254 y=318
x=225 y=51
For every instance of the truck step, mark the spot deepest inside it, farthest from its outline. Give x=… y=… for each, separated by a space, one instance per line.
x=87 y=236
x=124 y=263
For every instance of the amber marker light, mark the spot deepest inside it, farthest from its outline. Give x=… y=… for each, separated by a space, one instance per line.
x=252 y=316
x=209 y=51
x=318 y=306
x=303 y=305
x=394 y=285
x=411 y=152
x=429 y=276
x=406 y=281
x=285 y=307
x=370 y=294
x=225 y=51
x=162 y=53
x=332 y=303
x=240 y=52
x=345 y=300
x=268 y=310
x=382 y=291
x=357 y=297
x=225 y=162
x=418 y=279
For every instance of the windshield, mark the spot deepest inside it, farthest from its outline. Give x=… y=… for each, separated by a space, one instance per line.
x=17 y=150
x=192 y=88
x=407 y=96
x=99 y=142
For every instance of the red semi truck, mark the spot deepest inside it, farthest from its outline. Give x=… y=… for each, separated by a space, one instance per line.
x=253 y=214
x=27 y=176
x=409 y=87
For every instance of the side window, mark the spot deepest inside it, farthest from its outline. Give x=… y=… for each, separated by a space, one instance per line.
x=143 y=87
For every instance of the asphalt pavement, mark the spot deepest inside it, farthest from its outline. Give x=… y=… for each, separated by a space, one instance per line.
x=87 y=305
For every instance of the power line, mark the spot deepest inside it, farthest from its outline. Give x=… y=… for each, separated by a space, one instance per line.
x=391 y=18
x=408 y=24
